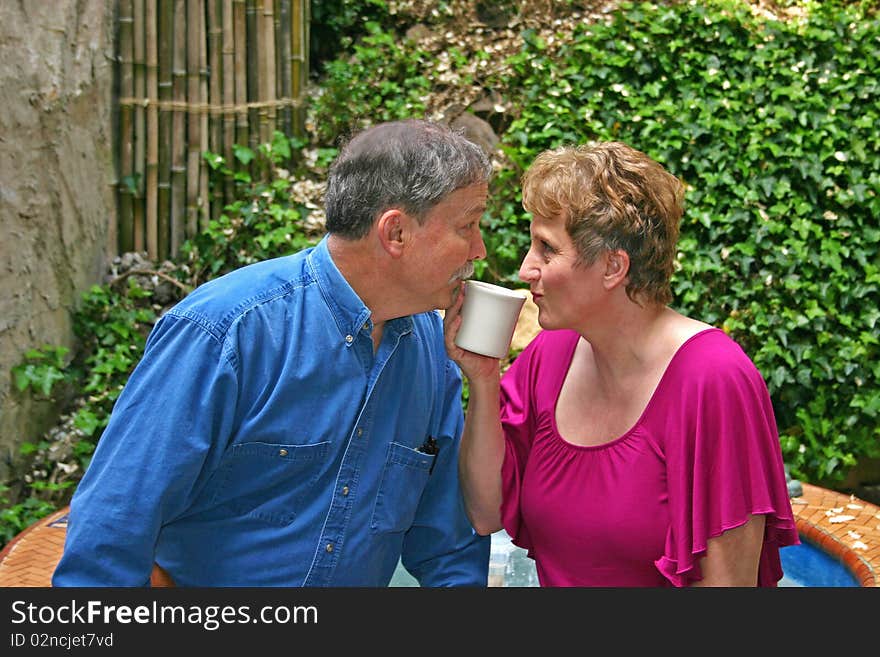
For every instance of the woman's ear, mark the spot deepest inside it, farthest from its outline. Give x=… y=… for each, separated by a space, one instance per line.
x=390 y=229
x=616 y=268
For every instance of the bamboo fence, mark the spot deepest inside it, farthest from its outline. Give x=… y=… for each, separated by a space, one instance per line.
x=196 y=76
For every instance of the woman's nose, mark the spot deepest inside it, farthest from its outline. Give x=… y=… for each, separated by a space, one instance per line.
x=527 y=271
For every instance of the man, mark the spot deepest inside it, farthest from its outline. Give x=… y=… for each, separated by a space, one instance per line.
x=296 y=422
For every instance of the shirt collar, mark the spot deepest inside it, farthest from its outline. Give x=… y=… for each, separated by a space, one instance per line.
x=349 y=312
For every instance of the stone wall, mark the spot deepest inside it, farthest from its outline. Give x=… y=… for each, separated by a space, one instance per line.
x=57 y=202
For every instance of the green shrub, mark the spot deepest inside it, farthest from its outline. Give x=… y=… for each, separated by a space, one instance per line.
x=382 y=81
x=40 y=370
x=15 y=518
x=263 y=221
x=335 y=23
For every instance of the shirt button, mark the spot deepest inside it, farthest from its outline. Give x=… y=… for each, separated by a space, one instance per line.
x=282 y=452
x=349 y=339
x=360 y=432
x=366 y=326
x=329 y=547
x=345 y=491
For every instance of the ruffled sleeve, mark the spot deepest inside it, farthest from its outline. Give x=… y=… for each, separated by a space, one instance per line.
x=517 y=422
x=723 y=458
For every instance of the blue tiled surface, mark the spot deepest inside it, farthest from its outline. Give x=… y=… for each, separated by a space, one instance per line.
x=807 y=565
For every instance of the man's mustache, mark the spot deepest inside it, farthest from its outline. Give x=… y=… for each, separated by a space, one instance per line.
x=463 y=273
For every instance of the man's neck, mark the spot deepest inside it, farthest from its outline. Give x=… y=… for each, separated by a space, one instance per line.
x=367 y=269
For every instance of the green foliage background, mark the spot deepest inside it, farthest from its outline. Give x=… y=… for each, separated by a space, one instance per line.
x=774 y=126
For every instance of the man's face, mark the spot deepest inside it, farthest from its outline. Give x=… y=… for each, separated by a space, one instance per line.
x=446 y=245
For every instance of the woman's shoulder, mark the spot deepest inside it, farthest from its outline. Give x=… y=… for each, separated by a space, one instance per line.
x=709 y=355
x=710 y=342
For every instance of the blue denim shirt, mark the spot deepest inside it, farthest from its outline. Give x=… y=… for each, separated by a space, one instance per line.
x=260 y=442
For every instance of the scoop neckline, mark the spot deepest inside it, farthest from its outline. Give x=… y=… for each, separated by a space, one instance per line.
x=638 y=423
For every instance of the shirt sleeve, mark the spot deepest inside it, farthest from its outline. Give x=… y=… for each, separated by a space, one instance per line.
x=175 y=409
x=724 y=462
x=442 y=548
x=518 y=425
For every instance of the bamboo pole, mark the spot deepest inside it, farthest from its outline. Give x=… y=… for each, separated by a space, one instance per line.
x=124 y=222
x=253 y=72
x=215 y=86
x=140 y=127
x=163 y=187
x=241 y=56
x=204 y=122
x=193 y=124
x=304 y=71
x=267 y=85
x=282 y=37
x=255 y=92
x=299 y=62
x=242 y=60
x=228 y=94
x=178 y=138
x=152 y=130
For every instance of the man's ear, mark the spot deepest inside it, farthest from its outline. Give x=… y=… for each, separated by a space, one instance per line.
x=616 y=268
x=390 y=228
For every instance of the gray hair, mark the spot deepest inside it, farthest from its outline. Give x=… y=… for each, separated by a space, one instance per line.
x=411 y=165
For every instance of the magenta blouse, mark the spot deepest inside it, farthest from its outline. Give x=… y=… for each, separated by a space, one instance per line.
x=639 y=510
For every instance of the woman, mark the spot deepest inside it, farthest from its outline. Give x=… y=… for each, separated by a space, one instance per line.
x=634 y=446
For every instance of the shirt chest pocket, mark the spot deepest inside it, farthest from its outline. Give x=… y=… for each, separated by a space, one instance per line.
x=404 y=477
x=268 y=481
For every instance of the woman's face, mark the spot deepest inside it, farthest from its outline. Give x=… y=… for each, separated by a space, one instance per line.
x=563 y=290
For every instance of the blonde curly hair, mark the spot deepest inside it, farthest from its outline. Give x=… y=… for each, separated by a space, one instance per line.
x=612 y=196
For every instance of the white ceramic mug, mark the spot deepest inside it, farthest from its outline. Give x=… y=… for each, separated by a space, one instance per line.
x=488 y=318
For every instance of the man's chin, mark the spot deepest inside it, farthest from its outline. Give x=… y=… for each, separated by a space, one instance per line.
x=445 y=299
x=440 y=301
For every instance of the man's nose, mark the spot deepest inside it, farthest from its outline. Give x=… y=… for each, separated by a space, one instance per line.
x=478 y=248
